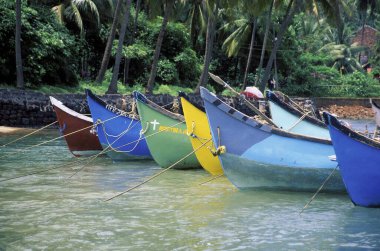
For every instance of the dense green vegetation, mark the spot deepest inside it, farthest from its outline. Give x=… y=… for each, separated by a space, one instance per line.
x=306 y=46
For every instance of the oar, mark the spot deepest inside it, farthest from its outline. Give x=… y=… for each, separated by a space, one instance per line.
x=249 y=104
x=159 y=173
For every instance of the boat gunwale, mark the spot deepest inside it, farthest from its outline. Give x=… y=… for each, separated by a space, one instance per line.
x=142 y=98
x=101 y=102
x=333 y=121
x=271 y=96
x=236 y=114
x=56 y=103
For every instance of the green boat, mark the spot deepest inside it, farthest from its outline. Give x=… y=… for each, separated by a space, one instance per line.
x=170 y=141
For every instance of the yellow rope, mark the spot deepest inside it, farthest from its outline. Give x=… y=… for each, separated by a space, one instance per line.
x=158 y=174
x=29 y=134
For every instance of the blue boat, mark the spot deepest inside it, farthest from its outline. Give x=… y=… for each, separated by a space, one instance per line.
x=262 y=157
x=289 y=119
x=359 y=162
x=119 y=132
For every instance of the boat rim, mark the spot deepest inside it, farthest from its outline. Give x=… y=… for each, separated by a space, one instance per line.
x=56 y=103
x=334 y=122
x=234 y=113
x=271 y=96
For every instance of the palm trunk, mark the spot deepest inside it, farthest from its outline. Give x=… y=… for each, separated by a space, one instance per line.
x=128 y=60
x=264 y=43
x=284 y=26
x=194 y=30
x=19 y=70
x=108 y=49
x=112 y=88
x=211 y=22
x=156 y=56
x=249 y=59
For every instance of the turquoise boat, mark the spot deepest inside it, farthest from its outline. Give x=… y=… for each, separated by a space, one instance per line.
x=289 y=119
x=258 y=156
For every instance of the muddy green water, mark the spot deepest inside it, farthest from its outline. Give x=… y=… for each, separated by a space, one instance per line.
x=47 y=211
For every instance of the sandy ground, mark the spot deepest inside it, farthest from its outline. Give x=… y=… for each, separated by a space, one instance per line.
x=8 y=130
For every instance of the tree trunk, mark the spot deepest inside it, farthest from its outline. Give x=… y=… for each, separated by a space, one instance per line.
x=108 y=49
x=157 y=51
x=284 y=26
x=249 y=59
x=112 y=88
x=211 y=22
x=19 y=70
x=268 y=21
x=132 y=39
x=194 y=29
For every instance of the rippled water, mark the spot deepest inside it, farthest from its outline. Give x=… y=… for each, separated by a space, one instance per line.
x=173 y=212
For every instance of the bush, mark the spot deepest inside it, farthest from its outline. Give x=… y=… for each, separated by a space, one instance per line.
x=50 y=53
x=167 y=72
x=188 y=65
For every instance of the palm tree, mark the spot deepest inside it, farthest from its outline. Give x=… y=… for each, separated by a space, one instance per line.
x=291 y=8
x=20 y=75
x=343 y=56
x=268 y=21
x=211 y=23
x=153 y=72
x=73 y=11
x=131 y=41
x=111 y=37
x=112 y=88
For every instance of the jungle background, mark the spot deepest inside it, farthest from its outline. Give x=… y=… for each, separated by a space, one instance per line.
x=310 y=48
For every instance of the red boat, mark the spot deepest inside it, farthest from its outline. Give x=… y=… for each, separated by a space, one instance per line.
x=80 y=142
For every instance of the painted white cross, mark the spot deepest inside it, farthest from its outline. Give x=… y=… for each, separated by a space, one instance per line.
x=154 y=123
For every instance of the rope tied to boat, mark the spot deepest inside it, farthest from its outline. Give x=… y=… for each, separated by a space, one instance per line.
x=220 y=149
x=175 y=106
x=159 y=173
x=51 y=140
x=319 y=189
x=29 y=134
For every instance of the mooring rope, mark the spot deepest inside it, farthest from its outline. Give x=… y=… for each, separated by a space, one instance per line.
x=319 y=189
x=35 y=131
x=51 y=140
x=45 y=170
x=157 y=174
x=213 y=178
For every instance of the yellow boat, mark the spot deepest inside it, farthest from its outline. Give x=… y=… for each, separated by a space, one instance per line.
x=199 y=132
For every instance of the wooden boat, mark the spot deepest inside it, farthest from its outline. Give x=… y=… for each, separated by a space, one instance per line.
x=172 y=142
x=262 y=157
x=376 y=110
x=359 y=162
x=289 y=119
x=119 y=132
x=79 y=141
x=199 y=132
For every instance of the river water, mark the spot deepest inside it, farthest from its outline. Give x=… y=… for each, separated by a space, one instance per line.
x=48 y=211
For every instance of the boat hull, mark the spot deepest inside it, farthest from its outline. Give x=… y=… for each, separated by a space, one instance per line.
x=81 y=142
x=118 y=133
x=169 y=143
x=359 y=163
x=258 y=156
x=197 y=125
